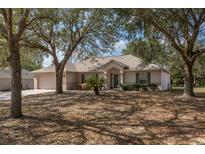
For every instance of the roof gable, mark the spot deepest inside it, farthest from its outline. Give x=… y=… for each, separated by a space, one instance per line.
x=114 y=63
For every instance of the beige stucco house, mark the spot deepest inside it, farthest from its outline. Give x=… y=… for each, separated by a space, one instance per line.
x=116 y=70
x=5 y=79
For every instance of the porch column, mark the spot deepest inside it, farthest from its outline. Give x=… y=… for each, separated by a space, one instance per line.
x=64 y=82
x=105 y=78
x=121 y=77
x=35 y=82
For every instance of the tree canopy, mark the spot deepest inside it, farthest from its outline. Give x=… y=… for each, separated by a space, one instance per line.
x=182 y=29
x=150 y=50
x=84 y=32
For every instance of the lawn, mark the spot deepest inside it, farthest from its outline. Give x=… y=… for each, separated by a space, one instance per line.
x=115 y=117
x=200 y=91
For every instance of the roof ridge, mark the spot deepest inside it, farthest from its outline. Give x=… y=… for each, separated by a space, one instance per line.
x=114 y=56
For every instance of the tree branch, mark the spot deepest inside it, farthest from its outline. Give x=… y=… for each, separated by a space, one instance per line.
x=9 y=24
x=197 y=54
x=169 y=36
x=22 y=24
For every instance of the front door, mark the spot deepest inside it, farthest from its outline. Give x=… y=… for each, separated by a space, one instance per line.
x=116 y=81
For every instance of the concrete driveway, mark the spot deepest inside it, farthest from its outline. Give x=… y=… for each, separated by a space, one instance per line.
x=7 y=95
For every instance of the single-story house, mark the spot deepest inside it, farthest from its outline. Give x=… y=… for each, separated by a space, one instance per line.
x=116 y=70
x=5 y=79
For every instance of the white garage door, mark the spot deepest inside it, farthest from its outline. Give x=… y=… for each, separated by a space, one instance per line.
x=5 y=84
x=47 y=81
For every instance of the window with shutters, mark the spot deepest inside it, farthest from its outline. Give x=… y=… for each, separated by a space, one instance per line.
x=137 y=78
x=143 y=77
x=83 y=78
x=148 y=77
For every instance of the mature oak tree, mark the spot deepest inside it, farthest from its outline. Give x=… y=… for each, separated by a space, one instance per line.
x=183 y=28
x=13 y=23
x=86 y=32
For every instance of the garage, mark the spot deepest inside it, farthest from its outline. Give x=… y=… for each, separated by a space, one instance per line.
x=5 y=79
x=5 y=84
x=46 y=81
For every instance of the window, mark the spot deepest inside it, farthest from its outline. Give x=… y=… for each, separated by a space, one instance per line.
x=83 y=78
x=142 y=77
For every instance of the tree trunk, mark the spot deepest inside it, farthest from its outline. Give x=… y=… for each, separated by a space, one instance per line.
x=188 y=80
x=59 y=81
x=96 y=91
x=16 y=86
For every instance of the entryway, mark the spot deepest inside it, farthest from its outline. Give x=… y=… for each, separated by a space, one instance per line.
x=115 y=81
x=114 y=78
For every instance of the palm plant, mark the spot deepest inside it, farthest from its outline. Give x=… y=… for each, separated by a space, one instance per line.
x=94 y=83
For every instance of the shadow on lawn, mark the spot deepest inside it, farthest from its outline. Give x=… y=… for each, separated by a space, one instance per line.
x=198 y=91
x=87 y=125
x=112 y=118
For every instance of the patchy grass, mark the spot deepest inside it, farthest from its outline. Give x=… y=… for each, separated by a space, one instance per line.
x=199 y=91
x=112 y=118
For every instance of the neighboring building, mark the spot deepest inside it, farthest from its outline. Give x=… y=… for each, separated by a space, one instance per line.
x=115 y=70
x=5 y=79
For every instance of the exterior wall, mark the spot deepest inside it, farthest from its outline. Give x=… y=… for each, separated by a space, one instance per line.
x=88 y=75
x=156 y=78
x=113 y=71
x=35 y=81
x=45 y=81
x=27 y=84
x=130 y=77
x=165 y=80
x=71 y=81
x=5 y=84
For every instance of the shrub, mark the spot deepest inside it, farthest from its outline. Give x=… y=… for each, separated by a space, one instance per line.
x=125 y=87
x=130 y=87
x=94 y=83
x=136 y=87
x=143 y=87
x=139 y=87
x=152 y=86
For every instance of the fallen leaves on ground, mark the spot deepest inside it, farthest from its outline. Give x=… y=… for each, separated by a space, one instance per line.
x=79 y=117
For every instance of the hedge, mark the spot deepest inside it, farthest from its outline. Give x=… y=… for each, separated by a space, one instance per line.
x=138 y=87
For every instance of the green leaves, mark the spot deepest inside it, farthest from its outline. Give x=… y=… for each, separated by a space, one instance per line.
x=149 y=50
x=93 y=82
x=86 y=32
x=31 y=60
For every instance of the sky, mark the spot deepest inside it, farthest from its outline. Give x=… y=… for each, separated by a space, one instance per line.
x=117 y=51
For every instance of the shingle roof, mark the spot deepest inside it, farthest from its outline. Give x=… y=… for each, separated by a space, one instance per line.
x=6 y=73
x=133 y=63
